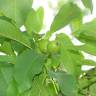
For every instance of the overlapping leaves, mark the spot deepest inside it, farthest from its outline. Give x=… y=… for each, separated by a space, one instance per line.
x=70 y=57
x=28 y=64
x=87 y=34
x=12 y=32
x=66 y=14
x=16 y=9
x=23 y=68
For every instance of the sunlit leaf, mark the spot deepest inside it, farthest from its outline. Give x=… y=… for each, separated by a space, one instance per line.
x=86 y=31
x=70 y=57
x=88 y=4
x=12 y=32
x=16 y=9
x=65 y=16
x=88 y=48
x=34 y=20
x=87 y=34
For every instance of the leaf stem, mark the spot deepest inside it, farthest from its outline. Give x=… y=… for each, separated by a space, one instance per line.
x=48 y=34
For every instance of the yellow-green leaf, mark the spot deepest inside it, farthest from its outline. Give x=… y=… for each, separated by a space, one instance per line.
x=66 y=14
x=12 y=32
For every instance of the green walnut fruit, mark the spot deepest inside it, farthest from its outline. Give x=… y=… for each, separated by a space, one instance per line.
x=53 y=47
x=42 y=44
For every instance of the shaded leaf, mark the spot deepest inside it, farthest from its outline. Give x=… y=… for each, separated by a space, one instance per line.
x=7 y=48
x=8 y=59
x=66 y=82
x=12 y=89
x=17 y=47
x=28 y=64
x=83 y=82
x=93 y=90
x=6 y=73
x=3 y=84
x=41 y=88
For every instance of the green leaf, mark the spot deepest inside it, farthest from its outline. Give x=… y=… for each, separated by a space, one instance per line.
x=66 y=82
x=87 y=34
x=93 y=90
x=88 y=4
x=12 y=89
x=66 y=15
x=28 y=64
x=16 y=9
x=83 y=82
x=72 y=62
x=88 y=48
x=1 y=13
x=86 y=31
x=70 y=57
x=34 y=21
x=89 y=62
x=40 y=14
x=2 y=39
x=54 y=61
x=17 y=47
x=7 y=48
x=6 y=73
x=41 y=88
x=8 y=59
x=75 y=25
x=3 y=84
x=12 y=32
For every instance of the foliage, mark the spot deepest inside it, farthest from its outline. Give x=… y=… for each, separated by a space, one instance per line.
x=32 y=65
